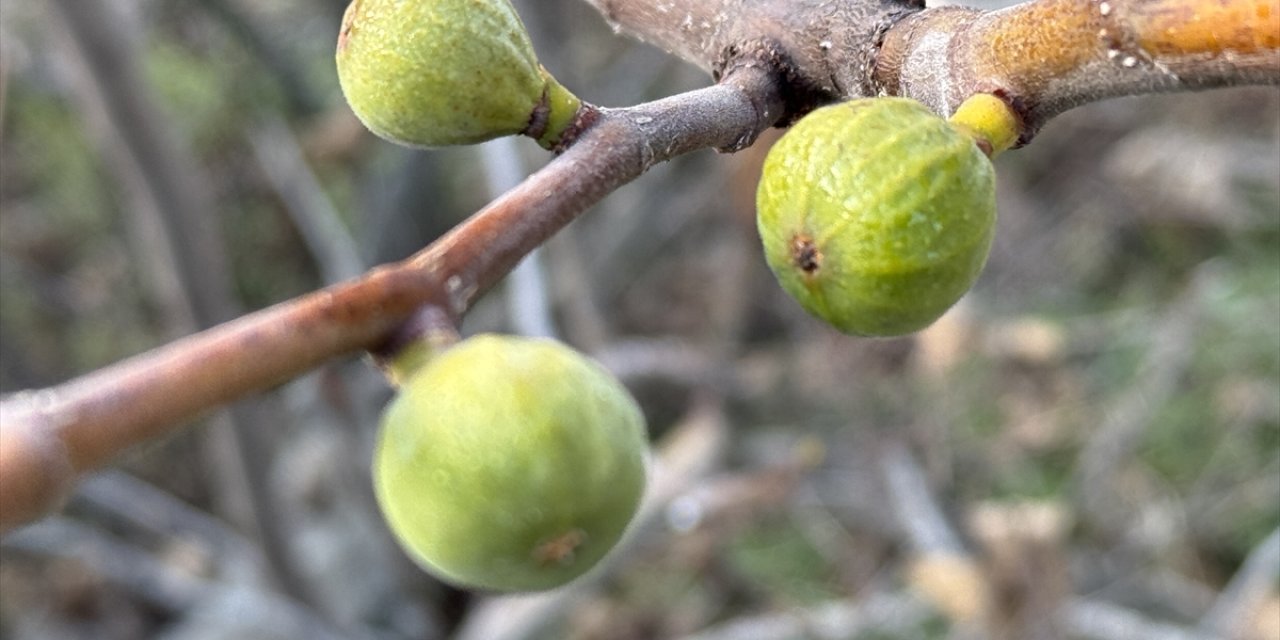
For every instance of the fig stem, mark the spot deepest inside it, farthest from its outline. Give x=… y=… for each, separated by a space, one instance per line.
x=427 y=334
x=990 y=121
x=554 y=115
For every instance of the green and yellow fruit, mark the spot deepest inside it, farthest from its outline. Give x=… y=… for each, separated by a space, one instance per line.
x=510 y=464
x=876 y=214
x=441 y=72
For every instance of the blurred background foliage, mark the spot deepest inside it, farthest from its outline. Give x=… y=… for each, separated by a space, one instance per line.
x=1096 y=425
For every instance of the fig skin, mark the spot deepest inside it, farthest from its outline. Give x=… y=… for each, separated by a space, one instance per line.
x=427 y=73
x=876 y=214
x=510 y=464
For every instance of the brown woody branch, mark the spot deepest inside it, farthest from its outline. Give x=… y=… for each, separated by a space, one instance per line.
x=1043 y=56
x=49 y=437
x=1047 y=56
x=825 y=48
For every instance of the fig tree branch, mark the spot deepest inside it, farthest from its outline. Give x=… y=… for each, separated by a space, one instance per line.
x=171 y=217
x=49 y=437
x=825 y=48
x=777 y=59
x=1047 y=56
x=1043 y=56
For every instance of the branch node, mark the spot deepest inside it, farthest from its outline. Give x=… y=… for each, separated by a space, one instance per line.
x=800 y=95
x=587 y=116
x=429 y=330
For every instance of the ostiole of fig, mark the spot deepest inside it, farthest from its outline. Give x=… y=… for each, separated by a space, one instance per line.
x=876 y=215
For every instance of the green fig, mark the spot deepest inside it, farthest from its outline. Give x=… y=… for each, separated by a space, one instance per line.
x=510 y=464
x=428 y=73
x=876 y=214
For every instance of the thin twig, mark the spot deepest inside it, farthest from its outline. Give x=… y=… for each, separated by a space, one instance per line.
x=50 y=436
x=678 y=361
x=1251 y=584
x=575 y=294
x=900 y=615
x=158 y=583
x=919 y=515
x=124 y=564
x=168 y=180
x=526 y=289
x=1093 y=620
x=941 y=569
x=313 y=214
x=1129 y=415
x=160 y=514
x=301 y=96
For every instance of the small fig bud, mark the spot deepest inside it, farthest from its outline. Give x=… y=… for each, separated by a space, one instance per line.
x=876 y=214
x=510 y=464
x=429 y=73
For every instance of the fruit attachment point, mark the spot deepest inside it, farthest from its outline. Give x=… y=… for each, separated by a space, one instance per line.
x=989 y=120
x=426 y=334
x=554 y=115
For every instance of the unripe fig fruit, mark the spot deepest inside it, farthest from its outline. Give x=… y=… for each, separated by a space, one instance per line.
x=876 y=214
x=510 y=464
x=440 y=72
